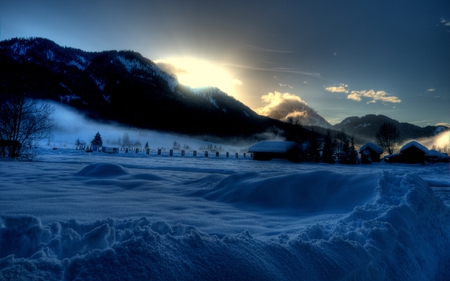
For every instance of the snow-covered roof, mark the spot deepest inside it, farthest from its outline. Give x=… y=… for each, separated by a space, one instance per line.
x=372 y=146
x=272 y=146
x=435 y=153
x=416 y=145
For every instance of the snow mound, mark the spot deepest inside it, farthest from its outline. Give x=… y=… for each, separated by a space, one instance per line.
x=310 y=192
x=399 y=230
x=102 y=170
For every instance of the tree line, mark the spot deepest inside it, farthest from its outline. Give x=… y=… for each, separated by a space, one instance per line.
x=341 y=147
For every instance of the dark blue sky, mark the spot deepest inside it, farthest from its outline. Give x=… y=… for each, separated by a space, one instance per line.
x=343 y=58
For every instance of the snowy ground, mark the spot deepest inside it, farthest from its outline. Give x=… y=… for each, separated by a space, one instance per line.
x=82 y=216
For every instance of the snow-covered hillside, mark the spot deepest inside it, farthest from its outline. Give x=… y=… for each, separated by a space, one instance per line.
x=93 y=216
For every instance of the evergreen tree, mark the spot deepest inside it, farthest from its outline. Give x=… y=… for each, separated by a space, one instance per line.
x=349 y=155
x=146 y=145
x=97 y=141
x=313 y=149
x=340 y=139
x=125 y=140
x=328 y=149
x=353 y=154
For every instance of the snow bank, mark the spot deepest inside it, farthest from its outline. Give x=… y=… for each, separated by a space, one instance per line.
x=102 y=170
x=398 y=230
x=316 y=191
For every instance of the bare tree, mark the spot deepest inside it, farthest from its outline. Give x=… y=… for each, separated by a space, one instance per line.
x=24 y=122
x=387 y=135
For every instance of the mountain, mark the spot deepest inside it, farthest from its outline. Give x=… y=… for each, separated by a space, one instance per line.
x=125 y=87
x=364 y=128
x=302 y=114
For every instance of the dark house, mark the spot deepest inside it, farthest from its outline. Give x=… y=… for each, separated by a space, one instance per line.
x=411 y=153
x=267 y=150
x=370 y=152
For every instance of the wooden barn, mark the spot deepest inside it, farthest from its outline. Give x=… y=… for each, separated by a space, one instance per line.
x=370 y=152
x=411 y=153
x=268 y=150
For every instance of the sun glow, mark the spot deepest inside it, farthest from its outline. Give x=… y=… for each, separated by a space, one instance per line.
x=197 y=73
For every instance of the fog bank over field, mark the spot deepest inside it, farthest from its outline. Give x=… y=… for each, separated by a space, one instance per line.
x=70 y=125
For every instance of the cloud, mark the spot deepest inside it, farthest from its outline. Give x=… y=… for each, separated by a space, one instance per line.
x=375 y=96
x=170 y=68
x=354 y=96
x=237 y=82
x=282 y=106
x=341 y=88
x=255 y=48
x=444 y=22
x=286 y=85
x=276 y=69
x=359 y=95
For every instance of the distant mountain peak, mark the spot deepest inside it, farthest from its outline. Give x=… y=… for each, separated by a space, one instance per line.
x=365 y=127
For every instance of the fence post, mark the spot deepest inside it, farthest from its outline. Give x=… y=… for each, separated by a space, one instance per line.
x=171 y=152
x=206 y=153
x=159 y=151
x=217 y=153
x=228 y=154
x=182 y=152
x=237 y=155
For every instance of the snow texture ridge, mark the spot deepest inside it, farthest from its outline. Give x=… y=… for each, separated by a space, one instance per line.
x=102 y=170
x=399 y=230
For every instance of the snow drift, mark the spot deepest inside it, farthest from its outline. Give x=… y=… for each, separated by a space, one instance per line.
x=393 y=228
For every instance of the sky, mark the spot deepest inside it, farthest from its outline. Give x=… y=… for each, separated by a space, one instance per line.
x=341 y=58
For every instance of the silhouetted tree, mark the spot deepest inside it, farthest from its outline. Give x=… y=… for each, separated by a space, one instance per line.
x=387 y=136
x=313 y=149
x=328 y=149
x=340 y=139
x=97 y=141
x=352 y=153
x=125 y=140
x=24 y=122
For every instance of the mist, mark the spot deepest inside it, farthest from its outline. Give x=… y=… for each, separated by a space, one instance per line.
x=440 y=142
x=69 y=125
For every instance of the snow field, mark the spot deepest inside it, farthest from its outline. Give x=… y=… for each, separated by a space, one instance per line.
x=79 y=216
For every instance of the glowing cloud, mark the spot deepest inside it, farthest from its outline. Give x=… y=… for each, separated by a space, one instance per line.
x=199 y=73
x=283 y=106
x=375 y=96
x=359 y=95
x=342 y=88
x=280 y=103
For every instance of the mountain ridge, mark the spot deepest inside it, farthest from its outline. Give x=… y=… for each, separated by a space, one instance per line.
x=122 y=86
x=125 y=87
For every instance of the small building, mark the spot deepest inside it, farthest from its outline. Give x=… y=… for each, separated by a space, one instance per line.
x=370 y=152
x=434 y=156
x=268 y=150
x=411 y=153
